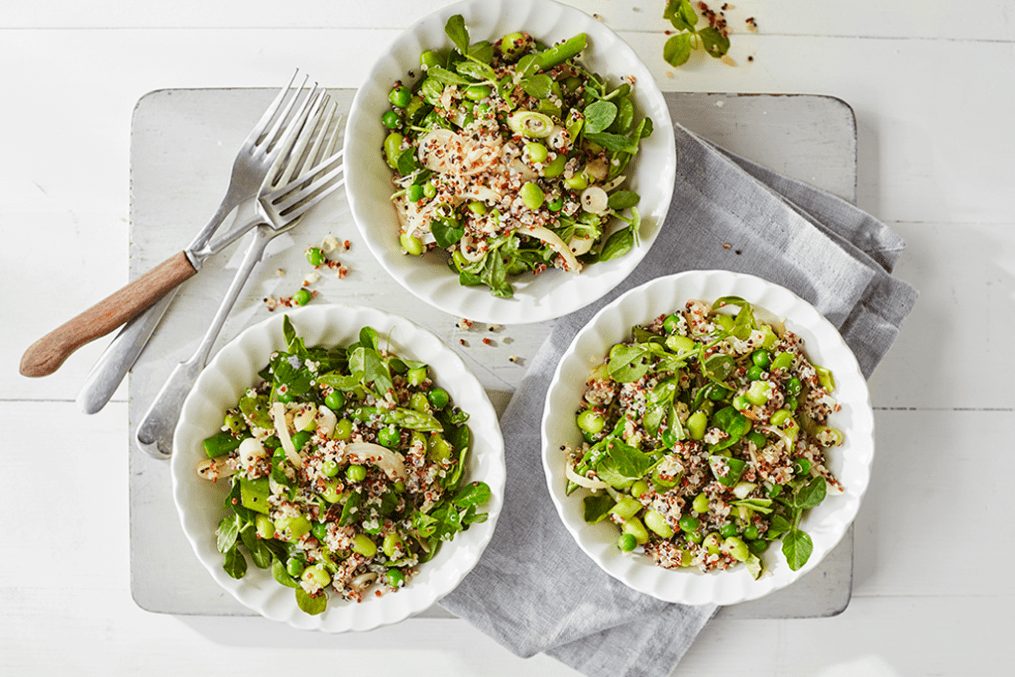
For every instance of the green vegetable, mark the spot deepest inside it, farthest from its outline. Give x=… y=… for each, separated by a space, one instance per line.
x=710 y=39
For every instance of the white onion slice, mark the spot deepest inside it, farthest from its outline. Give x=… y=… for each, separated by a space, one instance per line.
x=581 y=481
x=388 y=461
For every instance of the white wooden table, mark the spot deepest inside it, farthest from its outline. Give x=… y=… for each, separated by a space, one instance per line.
x=931 y=84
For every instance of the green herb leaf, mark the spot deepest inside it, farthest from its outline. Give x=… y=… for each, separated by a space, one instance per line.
x=459 y=34
x=234 y=563
x=598 y=116
x=446 y=77
x=538 y=85
x=715 y=43
x=677 y=49
x=311 y=605
x=282 y=576
x=474 y=493
x=718 y=367
x=476 y=71
x=481 y=52
x=733 y=423
x=811 y=494
x=619 y=243
x=597 y=507
x=614 y=142
x=628 y=363
x=446 y=232
x=225 y=535
x=623 y=199
x=797 y=547
x=622 y=464
x=259 y=552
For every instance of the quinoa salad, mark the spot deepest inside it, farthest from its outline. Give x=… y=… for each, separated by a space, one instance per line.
x=705 y=439
x=346 y=470
x=511 y=157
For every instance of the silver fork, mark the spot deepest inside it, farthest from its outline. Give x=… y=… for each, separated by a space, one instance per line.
x=279 y=210
x=270 y=140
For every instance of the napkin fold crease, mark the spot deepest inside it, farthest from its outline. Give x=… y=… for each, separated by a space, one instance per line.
x=534 y=590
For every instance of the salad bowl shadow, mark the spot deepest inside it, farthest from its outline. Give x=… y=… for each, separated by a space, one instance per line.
x=235 y=368
x=369 y=179
x=850 y=462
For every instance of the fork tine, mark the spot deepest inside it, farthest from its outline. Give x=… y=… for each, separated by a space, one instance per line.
x=300 y=158
x=296 y=198
x=284 y=94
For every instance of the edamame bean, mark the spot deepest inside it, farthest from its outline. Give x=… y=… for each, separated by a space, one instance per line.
x=265 y=527
x=477 y=207
x=758 y=439
x=294 y=567
x=626 y=507
x=537 y=151
x=577 y=182
x=696 y=424
x=555 y=167
x=699 y=505
x=678 y=343
x=429 y=58
x=392 y=545
x=429 y=190
x=657 y=523
x=639 y=487
x=532 y=195
x=780 y=416
x=318 y=574
x=414 y=193
x=332 y=492
x=513 y=45
x=634 y=527
x=712 y=543
x=392 y=148
x=411 y=244
x=757 y=393
x=362 y=544
x=416 y=376
x=782 y=360
x=477 y=92
x=737 y=548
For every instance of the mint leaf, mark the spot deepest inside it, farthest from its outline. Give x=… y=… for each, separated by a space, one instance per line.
x=797 y=548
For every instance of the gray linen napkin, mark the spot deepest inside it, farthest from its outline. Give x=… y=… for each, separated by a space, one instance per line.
x=534 y=590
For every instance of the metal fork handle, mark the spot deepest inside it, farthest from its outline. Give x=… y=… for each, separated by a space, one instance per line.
x=154 y=434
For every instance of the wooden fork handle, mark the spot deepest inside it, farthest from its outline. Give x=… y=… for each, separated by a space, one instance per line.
x=47 y=354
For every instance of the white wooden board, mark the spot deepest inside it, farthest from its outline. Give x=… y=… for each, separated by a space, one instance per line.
x=183 y=143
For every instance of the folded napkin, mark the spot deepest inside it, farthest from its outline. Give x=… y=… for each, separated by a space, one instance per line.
x=534 y=590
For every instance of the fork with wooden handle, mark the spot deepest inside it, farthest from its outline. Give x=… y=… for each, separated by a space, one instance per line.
x=264 y=148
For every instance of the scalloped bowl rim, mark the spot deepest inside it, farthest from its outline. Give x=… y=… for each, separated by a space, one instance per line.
x=851 y=462
x=235 y=368
x=368 y=186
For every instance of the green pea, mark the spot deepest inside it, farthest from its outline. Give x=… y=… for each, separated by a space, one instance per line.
x=737 y=548
x=672 y=323
x=437 y=448
x=758 y=439
x=782 y=361
x=794 y=386
x=591 y=421
x=627 y=542
x=412 y=245
x=356 y=473
x=699 y=505
x=362 y=544
x=537 y=151
x=329 y=468
x=400 y=96
x=319 y=530
x=761 y=358
x=394 y=578
x=657 y=523
x=532 y=195
x=391 y=120
x=728 y=529
x=695 y=537
x=332 y=492
x=556 y=204
x=740 y=403
x=755 y=372
x=294 y=567
x=419 y=402
x=751 y=532
x=301 y=439
x=439 y=398
x=717 y=393
x=414 y=193
x=343 y=430
x=302 y=297
x=696 y=424
x=389 y=436
x=690 y=523
x=555 y=167
x=392 y=544
x=791 y=403
x=430 y=58
x=757 y=546
x=335 y=400
x=392 y=148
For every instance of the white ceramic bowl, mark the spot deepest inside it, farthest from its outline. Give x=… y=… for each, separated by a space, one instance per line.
x=220 y=386
x=850 y=462
x=368 y=177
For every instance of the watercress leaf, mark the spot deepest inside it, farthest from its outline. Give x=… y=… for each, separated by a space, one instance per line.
x=686 y=11
x=225 y=535
x=527 y=65
x=471 y=516
x=234 y=563
x=622 y=199
x=598 y=116
x=351 y=509
x=727 y=470
x=811 y=494
x=459 y=34
x=715 y=43
x=614 y=142
x=654 y=414
x=597 y=507
x=733 y=423
x=282 y=576
x=778 y=526
x=663 y=391
x=677 y=49
x=311 y=605
x=625 y=116
x=619 y=243
x=718 y=367
x=622 y=464
x=797 y=548
x=475 y=70
x=259 y=552
x=289 y=333
x=538 y=85
x=474 y=493
x=628 y=363
x=446 y=232
x=481 y=51
x=407 y=163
